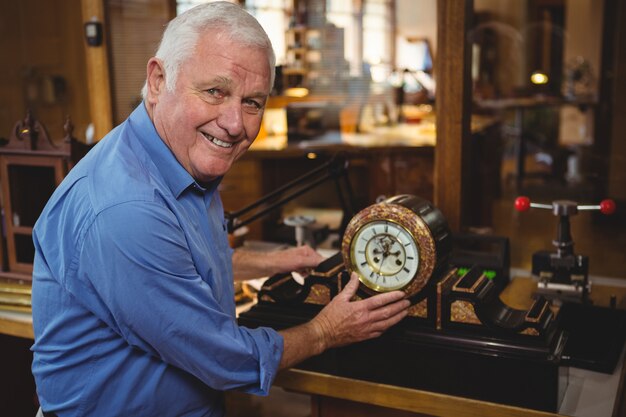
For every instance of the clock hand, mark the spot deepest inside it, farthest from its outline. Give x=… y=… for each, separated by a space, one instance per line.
x=382 y=262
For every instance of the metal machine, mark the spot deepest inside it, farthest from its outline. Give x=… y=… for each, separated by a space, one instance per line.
x=563 y=275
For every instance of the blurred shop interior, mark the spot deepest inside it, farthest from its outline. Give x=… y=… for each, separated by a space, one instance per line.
x=545 y=81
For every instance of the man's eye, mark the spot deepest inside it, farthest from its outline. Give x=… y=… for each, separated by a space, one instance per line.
x=215 y=92
x=253 y=104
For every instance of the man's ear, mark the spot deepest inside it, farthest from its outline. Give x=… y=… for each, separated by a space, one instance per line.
x=155 y=79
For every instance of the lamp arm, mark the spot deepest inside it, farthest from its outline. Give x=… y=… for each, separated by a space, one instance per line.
x=335 y=169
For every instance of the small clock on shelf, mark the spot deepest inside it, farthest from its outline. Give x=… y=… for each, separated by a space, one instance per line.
x=397 y=244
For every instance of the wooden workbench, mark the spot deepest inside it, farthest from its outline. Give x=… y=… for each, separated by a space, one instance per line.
x=336 y=396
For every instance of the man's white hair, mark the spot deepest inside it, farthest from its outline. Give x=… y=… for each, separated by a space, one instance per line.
x=230 y=20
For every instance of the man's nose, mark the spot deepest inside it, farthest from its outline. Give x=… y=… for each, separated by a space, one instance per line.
x=231 y=117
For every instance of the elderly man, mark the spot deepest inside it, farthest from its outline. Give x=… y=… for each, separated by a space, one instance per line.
x=133 y=305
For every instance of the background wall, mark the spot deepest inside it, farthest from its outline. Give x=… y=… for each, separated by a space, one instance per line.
x=43 y=64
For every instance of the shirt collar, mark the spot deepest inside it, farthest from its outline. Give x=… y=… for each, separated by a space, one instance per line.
x=174 y=174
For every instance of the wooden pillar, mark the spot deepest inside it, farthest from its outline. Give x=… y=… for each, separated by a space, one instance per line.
x=98 y=78
x=453 y=107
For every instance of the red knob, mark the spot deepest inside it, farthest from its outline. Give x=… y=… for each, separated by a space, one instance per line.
x=607 y=206
x=522 y=203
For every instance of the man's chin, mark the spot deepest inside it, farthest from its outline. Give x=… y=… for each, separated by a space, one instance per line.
x=213 y=171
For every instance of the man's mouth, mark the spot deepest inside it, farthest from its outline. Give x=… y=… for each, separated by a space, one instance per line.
x=217 y=142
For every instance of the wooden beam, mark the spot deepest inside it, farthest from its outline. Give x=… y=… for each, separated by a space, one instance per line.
x=98 y=77
x=453 y=107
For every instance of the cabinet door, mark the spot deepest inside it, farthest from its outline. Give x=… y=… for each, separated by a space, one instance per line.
x=28 y=181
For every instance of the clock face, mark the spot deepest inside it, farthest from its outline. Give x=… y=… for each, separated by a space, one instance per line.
x=390 y=245
x=385 y=255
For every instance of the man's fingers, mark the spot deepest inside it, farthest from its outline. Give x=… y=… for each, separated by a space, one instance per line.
x=383 y=299
x=379 y=327
x=310 y=253
x=350 y=289
x=388 y=319
x=349 y=322
x=383 y=325
x=390 y=310
x=374 y=302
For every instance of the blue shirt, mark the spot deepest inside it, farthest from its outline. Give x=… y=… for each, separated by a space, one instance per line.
x=133 y=304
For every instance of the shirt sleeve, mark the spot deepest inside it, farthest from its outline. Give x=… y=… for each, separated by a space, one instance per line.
x=136 y=273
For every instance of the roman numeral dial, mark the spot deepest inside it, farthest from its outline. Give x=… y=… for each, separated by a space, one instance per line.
x=397 y=244
x=385 y=255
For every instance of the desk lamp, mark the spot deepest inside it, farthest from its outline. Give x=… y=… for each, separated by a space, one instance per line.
x=335 y=169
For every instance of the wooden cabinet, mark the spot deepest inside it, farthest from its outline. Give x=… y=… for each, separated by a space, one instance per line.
x=31 y=167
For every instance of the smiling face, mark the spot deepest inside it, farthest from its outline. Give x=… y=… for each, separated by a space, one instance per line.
x=214 y=112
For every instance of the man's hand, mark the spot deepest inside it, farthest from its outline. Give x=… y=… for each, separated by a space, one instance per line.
x=300 y=259
x=343 y=322
x=249 y=264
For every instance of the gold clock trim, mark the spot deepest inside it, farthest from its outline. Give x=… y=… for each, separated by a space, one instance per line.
x=412 y=223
